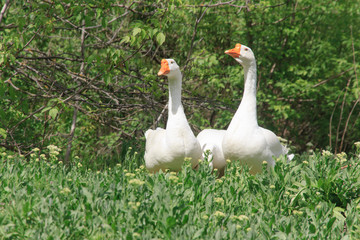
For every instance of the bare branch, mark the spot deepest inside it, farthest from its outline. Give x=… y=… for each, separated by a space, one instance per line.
x=332 y=77
x=216 y=4
x=73 y=124
x=198 y=19
x=3 y=10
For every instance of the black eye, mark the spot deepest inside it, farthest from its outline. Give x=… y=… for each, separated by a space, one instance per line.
x=246 y=49
x=172 y=62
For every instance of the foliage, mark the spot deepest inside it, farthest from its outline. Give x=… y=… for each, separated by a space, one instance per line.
x=314 y=197
x=92 y=65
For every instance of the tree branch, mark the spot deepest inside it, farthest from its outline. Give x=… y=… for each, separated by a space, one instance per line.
x=3 y=10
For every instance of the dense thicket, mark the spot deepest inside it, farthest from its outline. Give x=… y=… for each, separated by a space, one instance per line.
x=84 y=72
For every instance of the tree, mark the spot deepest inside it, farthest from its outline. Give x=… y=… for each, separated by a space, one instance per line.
x=82 y=74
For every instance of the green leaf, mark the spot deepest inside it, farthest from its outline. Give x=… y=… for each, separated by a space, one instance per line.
x=198 y=233
x=3 y=133
x=126 y=39
x=136 y=31
x=53 y=112
x=160 y=38
x=338 y=213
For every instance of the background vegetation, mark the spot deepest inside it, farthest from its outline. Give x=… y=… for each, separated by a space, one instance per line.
x=79 y=88
x=82 y=74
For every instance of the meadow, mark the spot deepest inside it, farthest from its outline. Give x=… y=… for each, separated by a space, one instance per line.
x=315 y=196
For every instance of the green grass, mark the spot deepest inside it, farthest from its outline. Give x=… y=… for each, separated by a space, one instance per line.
x=311 y=197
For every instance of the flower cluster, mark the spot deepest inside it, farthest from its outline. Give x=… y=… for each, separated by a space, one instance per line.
x=173 y=178
x=240 y=218
x=136 y=182
x=326 y=153
x=219 y=214
x=65 y=191
x=341 y=157
x=134 y=205
x=219 y=200
x=54 y=151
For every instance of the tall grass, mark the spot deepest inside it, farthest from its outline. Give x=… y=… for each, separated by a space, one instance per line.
x=313 y=197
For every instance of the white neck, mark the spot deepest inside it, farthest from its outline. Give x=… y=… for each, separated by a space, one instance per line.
x=176 y=113
x=247 y=108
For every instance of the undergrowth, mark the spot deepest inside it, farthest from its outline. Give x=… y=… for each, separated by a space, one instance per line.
x=315 y=196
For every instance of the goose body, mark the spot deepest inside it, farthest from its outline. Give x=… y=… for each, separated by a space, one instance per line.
x=211 y=140
x=167 y=148
x=245 y=140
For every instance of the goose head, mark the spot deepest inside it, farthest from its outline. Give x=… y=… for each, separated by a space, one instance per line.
x=242 y=54
x=168 y=67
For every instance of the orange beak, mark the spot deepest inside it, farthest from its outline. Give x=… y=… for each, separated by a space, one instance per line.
x=235 y=52
x=164 y=68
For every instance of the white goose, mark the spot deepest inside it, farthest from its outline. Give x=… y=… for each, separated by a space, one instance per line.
x=167 y=148
x=211 y=140
x=245 y=140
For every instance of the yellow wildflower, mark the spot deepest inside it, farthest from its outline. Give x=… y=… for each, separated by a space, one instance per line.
x=173 y=178
x=243 y=218
x=205 y=217
x=136 y=182
x=326 y=153
x=134 y=205
x=129 y=174
x=219 y=200
x=186 y=159
x=218 y=180
x=341 y=157
x=136 y=235
x=65 y=191
x=219 y=214
x=296 y=212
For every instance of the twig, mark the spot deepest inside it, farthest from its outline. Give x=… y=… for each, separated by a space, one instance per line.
x=212 y=5
x=341 y=114
x=27 y=44
x=27 y=117
x=160 y=116
x=331 y=118
x=193 y=36
x=10 y=82
x=332 y=77
x=347 y=122
x=73 y=124
x=77 y=27
x=3 y=10
x=357 y=101
x=354 y=61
